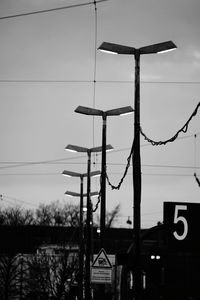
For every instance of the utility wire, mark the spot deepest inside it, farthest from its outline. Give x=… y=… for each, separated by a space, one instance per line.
x=48 y=10
x=117 y=187
x=197 y=179
x=3 y=196
x=95 y=65
x=172 y=139
x=23 y=164
x=112 y=173
x=110 y=164
x=154 y=143
x=96 y=81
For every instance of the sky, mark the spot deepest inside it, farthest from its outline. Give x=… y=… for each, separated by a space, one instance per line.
x=50 y=65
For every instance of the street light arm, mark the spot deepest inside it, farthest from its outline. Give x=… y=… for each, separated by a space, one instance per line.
x=119 y=111
x=116 y=49
x=88 y=111
x=74 y=148
x=73 y=174
x=72 y=194
x=121 y=49
x=158 y=48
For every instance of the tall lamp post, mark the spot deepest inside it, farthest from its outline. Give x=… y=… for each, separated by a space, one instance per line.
x=136 y=160
x=81 y=195
x=74 y=148
x=97 y=112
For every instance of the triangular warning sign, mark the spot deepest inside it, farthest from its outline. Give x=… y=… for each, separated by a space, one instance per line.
x=102 y=260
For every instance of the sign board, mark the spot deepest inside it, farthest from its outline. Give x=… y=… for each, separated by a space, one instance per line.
x=101 y=276
x=111 y=257
x=101 y=268
x=182 y=222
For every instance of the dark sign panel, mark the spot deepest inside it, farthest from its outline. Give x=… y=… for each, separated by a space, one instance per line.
x=182 y=225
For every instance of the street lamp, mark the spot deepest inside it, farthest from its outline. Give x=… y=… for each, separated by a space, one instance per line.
x=97 y=112
x=81 y=195
x=136 y=160
x=74 y=148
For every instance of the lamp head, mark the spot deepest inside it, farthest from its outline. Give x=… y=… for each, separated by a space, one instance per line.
x=158 y=48
x=121 y=49
x=116 y=48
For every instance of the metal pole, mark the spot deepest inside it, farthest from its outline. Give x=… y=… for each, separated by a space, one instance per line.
x=88 y=235
x=136 y=161
x=81 y=250
x=103 y=182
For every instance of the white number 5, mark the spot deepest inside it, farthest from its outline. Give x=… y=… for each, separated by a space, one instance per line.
x=180 y=219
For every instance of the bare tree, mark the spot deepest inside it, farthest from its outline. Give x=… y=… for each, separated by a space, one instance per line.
x=111 y=216
x=51 y=273
x=12 y=277
x=16 y=216
x=57 y=214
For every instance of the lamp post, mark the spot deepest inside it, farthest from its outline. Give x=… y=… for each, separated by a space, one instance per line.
x=136 y=160
x=97 y=112
x=81 y=195
x=74 y=148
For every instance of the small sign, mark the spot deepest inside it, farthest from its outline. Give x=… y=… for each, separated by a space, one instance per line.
x=102 y=260
x=101 y=269
x=100 y=275
x=111 y=257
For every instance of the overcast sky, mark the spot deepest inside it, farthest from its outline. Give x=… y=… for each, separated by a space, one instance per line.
x=48 y=66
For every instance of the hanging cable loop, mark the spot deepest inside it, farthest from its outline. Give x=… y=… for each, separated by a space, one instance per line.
x=117 y=187
x=155 y=143
x=172 y=139
x=197 y=179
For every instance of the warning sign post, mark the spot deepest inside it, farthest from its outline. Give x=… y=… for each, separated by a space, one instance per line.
x=101 y=269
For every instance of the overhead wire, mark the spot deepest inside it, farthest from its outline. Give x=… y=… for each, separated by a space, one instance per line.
x=95 y=64
x=183 y=129
x=48 y=10
x=96 y=81
x=94 y=209
x=5 y=197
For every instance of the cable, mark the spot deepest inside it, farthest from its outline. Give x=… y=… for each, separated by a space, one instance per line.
x=172 y=139
x=117 y=187
x=95 y=63
x=110 y=164
x=183 y=129
x=91 y=81
x=197 y=179
x=48 y=10
x=15 y=199
x=23 y=164
x=111 y=173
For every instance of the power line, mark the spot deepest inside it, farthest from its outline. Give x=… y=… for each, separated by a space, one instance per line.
x=183 y=129
x=48 y=10
x=96 y=81
x=95 y=69
x=16 y=200
x=23 y=164
x=111 y=173
x=109 y=164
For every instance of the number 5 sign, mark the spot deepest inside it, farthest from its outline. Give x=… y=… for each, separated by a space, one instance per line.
x=182 y=223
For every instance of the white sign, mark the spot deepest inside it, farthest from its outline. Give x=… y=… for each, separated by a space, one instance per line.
x=101 y=268
x=102 y=260
x=111 y=257
x=100 y=275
